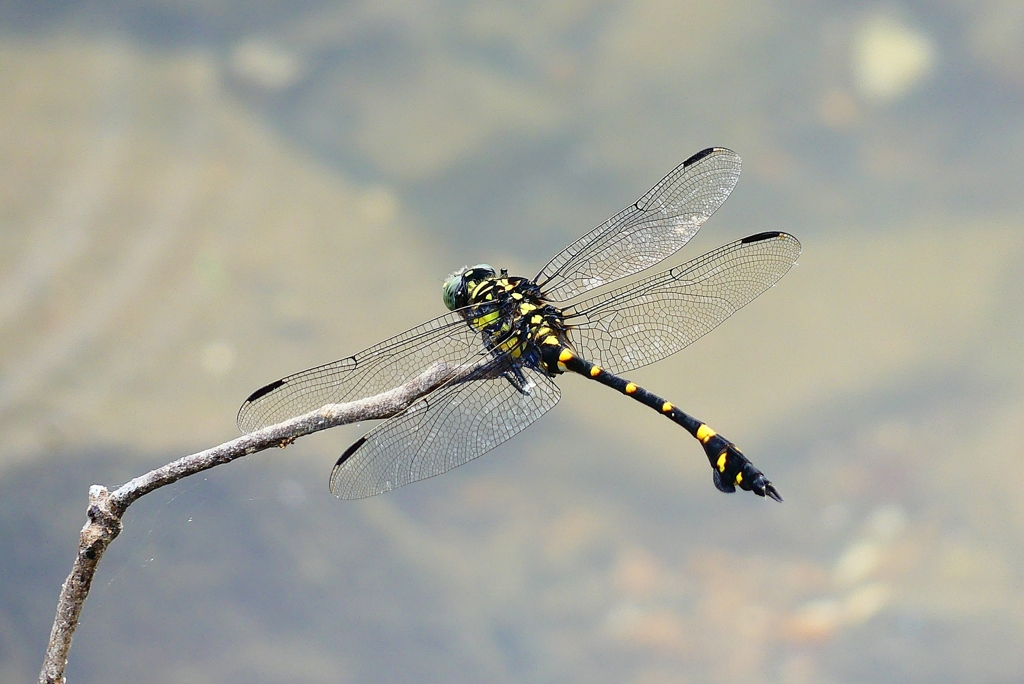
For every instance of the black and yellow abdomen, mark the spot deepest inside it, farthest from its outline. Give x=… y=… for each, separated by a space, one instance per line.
x=730 y=468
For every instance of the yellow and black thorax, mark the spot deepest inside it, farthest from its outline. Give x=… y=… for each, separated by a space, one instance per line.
x=510 y=313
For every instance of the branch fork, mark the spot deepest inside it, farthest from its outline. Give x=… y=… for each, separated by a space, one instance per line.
x=106 y=509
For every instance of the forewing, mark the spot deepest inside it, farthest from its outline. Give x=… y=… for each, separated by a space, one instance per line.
x=644 y=322
x=438 y=432
x=384 y=366
x=645 y=233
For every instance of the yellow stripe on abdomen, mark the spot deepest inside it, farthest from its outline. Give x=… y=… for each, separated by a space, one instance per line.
x=704 y=433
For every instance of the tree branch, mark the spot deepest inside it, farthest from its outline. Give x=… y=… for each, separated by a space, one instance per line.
x=107 y=508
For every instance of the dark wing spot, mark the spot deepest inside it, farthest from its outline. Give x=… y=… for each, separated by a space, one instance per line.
x=351 y=450
x=761 y=236
x=700 y=155
x=344 y=457
x=263 y=391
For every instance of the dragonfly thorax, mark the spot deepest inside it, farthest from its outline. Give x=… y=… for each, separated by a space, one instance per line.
x=510 y=312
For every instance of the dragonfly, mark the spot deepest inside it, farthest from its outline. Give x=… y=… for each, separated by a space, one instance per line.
x=516 y=335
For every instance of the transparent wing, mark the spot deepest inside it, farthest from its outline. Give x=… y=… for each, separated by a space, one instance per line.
x=384 y=366
x=443 y=430
x=644 y=322
x=645 y=233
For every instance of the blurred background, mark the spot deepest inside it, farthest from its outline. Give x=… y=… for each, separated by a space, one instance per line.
x=197 y=198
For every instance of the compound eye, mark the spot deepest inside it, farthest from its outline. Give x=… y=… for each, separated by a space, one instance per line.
x=456 y=287
x=454 y=290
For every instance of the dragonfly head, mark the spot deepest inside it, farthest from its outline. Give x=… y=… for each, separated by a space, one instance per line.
x=459 y=284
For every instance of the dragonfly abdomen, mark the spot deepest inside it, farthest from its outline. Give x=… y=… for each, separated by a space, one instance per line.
x=730 y=467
